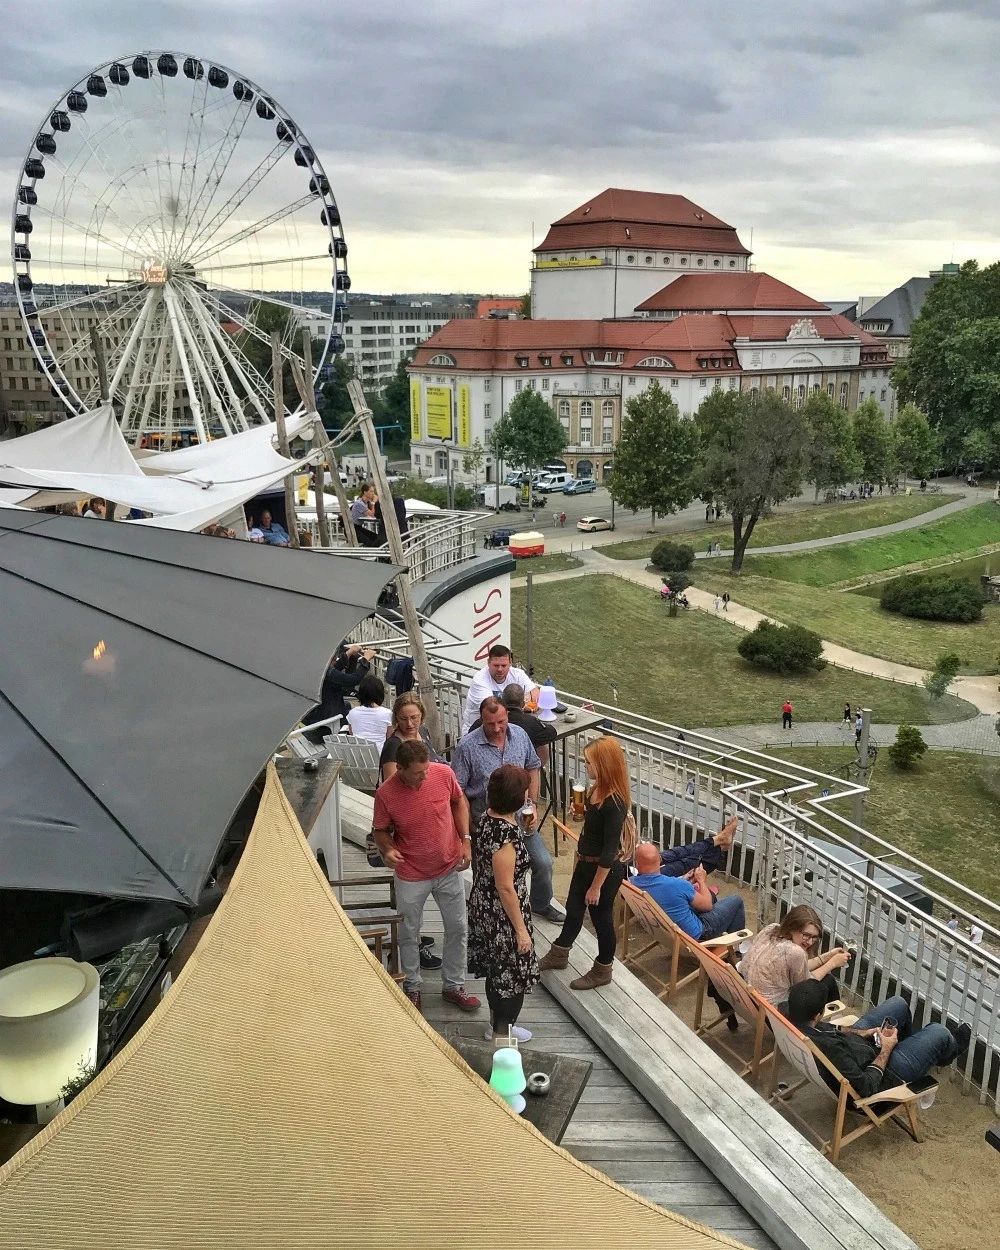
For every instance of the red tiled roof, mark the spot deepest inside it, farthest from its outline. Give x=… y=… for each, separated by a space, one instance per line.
x=486 y=306
x=708 y=292
x=491 y=345
x=618 y=218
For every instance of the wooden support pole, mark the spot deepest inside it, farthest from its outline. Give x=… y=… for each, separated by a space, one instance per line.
x=277 y=368
x=102 y=386
x=305 y=394
x=421 y=665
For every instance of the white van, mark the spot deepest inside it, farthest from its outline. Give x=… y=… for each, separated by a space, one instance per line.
x=553 y=481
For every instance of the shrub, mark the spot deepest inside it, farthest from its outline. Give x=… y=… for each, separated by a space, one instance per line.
x=933 y=597
x=908 y=747
x=783 y=648
x=671 y=557
x=417 y=488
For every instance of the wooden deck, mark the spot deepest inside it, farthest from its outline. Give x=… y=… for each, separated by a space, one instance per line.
x=613 y=1128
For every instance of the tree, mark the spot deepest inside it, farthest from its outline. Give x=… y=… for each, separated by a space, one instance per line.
x=982 y=447
x=530 y=433
x=753 y=455
x=266 y=318
x=942 y=675
x=668 y=556
x=525 y=309
x=917 y=445
x=396 y=397
x=873 y=438
x=833 y=460
x=473 y=461
x=953 y=367
x=335 y=403
x=908 y=747
x=656 y=456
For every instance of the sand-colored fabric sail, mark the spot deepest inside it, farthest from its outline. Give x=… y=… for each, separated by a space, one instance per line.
x=285 y=1094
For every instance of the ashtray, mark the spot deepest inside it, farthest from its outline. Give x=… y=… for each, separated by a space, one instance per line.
x=538 y=1084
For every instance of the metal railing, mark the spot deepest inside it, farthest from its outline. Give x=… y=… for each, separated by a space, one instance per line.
x=435 y=543
x=792 y=847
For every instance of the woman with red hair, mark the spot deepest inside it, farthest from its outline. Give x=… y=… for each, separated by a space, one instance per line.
x=607 y=844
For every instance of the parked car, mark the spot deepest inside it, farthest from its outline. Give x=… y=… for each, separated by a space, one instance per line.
x=553 y=481
x=579 y=486
x=591 y=523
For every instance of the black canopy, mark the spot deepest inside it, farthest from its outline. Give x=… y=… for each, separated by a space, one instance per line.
x=146 y=676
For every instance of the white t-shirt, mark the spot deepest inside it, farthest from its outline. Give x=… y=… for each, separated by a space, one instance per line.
x=370 y=723
x=976 y=935
x=484 y=684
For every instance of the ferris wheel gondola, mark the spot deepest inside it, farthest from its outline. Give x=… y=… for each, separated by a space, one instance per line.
x=177 y=208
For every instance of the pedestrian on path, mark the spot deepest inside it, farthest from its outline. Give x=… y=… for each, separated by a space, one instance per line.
x=717 y=549
x=857 y=728
x=555 y=519
x=562 y=519
x=708 y=548
x=786 y=715
x=847 y=714
x=976 y=933
x=718 y=603
x=725 y=600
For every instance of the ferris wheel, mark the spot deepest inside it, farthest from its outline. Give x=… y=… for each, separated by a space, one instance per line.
x=175 y=207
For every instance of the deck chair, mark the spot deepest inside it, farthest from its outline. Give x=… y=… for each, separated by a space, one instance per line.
x=898 y=1104
x=746 y=1003
x=358 y=761
x=639 y=911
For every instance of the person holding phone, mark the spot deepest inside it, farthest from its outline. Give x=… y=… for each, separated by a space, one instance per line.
x=881 y=1049
x=782 y=955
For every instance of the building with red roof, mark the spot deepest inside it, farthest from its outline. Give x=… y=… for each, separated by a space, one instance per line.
x=503 y=308
x=723 y=327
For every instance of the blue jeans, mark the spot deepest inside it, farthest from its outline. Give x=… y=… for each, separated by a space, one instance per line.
x=726 y=916
x=676 y=861
x=541 y=870
x=915 y=1053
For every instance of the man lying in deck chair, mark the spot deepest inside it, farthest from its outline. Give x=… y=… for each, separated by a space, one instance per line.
x=710 y=853
x=880 y=1049
x=687 y=900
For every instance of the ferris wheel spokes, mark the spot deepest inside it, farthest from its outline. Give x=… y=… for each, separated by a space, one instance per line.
x=223 y=367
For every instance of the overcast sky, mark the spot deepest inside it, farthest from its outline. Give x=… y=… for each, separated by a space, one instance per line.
x=859 y=142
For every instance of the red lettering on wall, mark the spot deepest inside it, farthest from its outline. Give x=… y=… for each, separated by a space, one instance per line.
x=484 y=650
x=488 y=622
x=481 y=623
x=495 y=591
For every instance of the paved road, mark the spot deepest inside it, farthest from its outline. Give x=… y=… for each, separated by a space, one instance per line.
x=977 y=735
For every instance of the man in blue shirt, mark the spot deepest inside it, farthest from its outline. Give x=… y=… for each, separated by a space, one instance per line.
x=687 y=900
x=478 y=755
x=275 y=535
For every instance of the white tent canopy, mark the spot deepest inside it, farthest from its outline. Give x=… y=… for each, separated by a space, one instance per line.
x=185 y=489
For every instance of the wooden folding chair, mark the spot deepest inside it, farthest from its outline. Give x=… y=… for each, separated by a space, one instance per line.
x=377 y=922
x=640 y=911
x=746 y=1004
x=898 y=1104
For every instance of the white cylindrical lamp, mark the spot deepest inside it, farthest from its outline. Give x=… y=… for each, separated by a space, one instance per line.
x=547 y=701
x=48 y=1029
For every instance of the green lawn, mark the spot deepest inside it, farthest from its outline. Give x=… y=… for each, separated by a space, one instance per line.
x=795 y=525
x=592 y=631
x=946 y=811
x=558 y=562
x=857 y=621
x=960 y=533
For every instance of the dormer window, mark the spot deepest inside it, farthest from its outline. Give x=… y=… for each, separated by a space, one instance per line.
x=702 y=363
x=566 y=358
x=545 y=360
x=522 y=361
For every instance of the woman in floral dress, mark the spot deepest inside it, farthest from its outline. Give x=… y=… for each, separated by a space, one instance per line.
x=501 y=947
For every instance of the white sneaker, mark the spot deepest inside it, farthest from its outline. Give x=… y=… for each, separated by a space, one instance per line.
x=520 y=1035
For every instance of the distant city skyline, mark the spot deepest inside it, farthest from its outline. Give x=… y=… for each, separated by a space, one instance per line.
x=857 y=148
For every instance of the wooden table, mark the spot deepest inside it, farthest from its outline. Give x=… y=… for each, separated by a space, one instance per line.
x=550 y=1114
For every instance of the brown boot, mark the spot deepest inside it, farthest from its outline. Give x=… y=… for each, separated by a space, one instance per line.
x=558 y=957
x=600 y=974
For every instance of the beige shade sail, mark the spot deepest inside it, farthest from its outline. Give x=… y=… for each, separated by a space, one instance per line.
x=286 y=1094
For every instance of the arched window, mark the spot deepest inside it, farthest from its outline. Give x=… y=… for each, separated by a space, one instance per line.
x=441 y=359
x=608 y=408
x=564 y=407
x=655 y=362
x=586 y=408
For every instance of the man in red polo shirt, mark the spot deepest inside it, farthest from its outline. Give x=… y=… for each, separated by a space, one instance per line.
x=422 y=833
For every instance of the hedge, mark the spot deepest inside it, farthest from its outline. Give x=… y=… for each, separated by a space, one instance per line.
x=783 y=648
x=933 y=597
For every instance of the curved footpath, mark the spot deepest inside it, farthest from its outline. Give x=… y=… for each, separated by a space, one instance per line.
x=976 y=734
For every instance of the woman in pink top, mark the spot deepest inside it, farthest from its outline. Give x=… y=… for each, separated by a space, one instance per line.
x=782 y=955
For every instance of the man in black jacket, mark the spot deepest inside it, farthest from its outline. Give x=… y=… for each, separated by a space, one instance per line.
x=880 y=1050
x=343 y=675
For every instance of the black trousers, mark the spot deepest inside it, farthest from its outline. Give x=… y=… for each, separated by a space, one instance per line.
x=503 y=1011
x=603 y=915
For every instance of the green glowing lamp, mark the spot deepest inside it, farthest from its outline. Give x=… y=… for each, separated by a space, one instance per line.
x=507 y=1077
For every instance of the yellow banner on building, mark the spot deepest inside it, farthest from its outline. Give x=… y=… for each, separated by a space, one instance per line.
x=464 y=416
x=414 y=410
x=583 y=262
x=439 y=412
